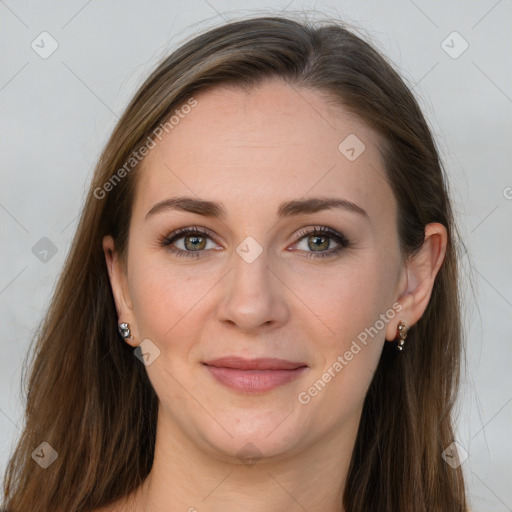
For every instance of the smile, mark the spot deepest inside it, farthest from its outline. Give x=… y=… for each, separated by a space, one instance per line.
x=255 y=375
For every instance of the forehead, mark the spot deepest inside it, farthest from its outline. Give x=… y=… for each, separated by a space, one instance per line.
x=262 y=146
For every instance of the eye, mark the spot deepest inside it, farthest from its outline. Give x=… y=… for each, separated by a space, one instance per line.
x=318 y=239
x=193 y=241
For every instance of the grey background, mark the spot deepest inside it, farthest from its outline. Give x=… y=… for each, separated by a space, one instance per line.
x=58 y=112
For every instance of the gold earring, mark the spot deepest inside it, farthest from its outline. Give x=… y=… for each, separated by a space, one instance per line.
x=402 y=334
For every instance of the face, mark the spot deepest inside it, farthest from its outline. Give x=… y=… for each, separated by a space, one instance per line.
x=271 y=275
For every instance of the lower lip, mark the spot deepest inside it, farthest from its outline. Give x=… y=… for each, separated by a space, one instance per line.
x=255 y=380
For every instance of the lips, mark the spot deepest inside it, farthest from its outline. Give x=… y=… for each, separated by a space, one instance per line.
x=254 y=364
x=254 y=375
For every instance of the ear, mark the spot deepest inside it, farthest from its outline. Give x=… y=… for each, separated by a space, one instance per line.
x=418 y=276
x=119 y=284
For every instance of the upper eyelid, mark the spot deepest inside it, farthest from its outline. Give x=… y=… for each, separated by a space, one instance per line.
x=180 y=232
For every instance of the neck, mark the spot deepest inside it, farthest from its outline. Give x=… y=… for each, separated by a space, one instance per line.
x=185 y=478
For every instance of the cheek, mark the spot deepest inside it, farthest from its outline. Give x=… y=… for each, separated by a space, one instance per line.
x=166 y=297
x=350 y=336
x=341 y=302
x=337 y=387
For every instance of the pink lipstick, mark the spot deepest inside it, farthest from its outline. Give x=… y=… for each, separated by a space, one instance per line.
x=254 y=375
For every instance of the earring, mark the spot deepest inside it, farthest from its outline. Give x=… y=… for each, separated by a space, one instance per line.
x=124 y=330
x=402 y=334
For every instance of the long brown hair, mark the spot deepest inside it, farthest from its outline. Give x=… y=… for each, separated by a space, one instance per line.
x=91 y=400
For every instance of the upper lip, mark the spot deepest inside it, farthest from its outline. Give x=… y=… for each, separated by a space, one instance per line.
x=254 y=364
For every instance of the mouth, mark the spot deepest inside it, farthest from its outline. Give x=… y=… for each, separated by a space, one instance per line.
x=254 y=375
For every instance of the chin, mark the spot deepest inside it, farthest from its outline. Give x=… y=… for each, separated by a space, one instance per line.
x=252 y=436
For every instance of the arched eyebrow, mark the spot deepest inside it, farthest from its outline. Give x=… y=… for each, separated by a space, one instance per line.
x=286 y=209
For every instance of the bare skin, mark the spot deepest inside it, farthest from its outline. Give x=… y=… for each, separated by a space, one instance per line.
x=252 y=152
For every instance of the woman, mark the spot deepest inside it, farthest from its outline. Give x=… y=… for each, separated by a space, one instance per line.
x=260 y=309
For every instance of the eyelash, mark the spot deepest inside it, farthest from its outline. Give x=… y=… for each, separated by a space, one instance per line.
x=317 y=230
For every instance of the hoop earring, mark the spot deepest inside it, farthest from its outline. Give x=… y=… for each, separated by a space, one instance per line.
x=124 y=331
x=402 y=334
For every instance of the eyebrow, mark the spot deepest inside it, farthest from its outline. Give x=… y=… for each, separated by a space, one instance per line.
x=286 y=209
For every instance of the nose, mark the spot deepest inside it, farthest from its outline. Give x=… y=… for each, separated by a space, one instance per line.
x=254 y=295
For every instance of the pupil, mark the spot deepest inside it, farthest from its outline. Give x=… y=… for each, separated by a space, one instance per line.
x=194 y=242
x=318 y=244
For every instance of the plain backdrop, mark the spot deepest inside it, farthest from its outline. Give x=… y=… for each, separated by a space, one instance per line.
x=58 y=110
